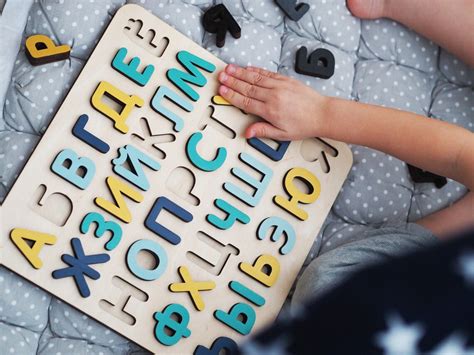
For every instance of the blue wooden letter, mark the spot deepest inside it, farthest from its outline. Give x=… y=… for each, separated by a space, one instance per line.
x=135 y=159
x=221 y=343
x=164 y=92
x=70 y=173
x=158 y=252
x=265 y=149
x=260 y=186
x=79 y=267
x=168 y=205
x=79 y=131
x=281 y=227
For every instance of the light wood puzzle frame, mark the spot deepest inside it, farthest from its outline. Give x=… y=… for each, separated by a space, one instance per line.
x=43 y=201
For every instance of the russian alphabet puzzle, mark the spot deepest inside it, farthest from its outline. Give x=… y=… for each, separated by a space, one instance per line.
x=144 y=207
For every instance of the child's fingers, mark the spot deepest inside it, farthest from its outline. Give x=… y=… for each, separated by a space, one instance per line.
x=250 y=77
x=264 y=130
x=245 y=103
x=244 y=88
x=267 y=73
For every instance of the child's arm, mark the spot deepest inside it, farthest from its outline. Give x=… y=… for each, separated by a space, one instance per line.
x=294 y=111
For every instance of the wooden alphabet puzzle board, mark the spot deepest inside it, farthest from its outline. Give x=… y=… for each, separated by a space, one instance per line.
x=144 y=207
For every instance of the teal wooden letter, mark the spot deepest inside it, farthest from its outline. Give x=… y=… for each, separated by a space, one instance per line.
x=169 y=331
x=231 y=319
x=130 y=70
x=181 y=79
x=260 y=186
x=198 y=161
x=247 y=293
x=233 y=215
x=165 y=92
x=102 y=227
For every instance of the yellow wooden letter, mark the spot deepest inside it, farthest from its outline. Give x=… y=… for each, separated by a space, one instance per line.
x=193 y=287
x=41 y=49
x=119 y=209
x=265 y=269
x=220 y=101
x=31 y=253
x=127 y=102
x=296 y=195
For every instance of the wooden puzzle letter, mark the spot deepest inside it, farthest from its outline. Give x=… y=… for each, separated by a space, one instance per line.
x=166 y=320
x=220 y=345
x=198 y=161
x=224 y=250
x=247 y=293
x=297 y=196
x=102 y=227
x=233 y=215
x=31 y=252
x=79 y=171
x=241 y=318
x=41 y=49
x=265 y=269
x=193 y=76
x=156 y=103
x=127 y=104
x=130 y=70
x=79 y=267
x=163 y=203
x=122 y=296
x=161 y=260
x=55 y=207
x=80 y=132
x=135 y=158
x=192 y=287
x=280 y=228
x=260 y=186
x=118 y=209
x=220 y=101
x=262 y=147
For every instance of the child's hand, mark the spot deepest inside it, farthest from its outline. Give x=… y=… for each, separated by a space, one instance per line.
x=292 y=110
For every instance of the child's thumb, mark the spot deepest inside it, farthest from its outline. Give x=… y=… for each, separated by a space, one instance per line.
x=263 y=130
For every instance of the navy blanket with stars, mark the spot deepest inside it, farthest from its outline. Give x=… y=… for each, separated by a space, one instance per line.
x=418 y=304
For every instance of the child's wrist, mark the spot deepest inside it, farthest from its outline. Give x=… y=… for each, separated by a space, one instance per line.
x=324 y=117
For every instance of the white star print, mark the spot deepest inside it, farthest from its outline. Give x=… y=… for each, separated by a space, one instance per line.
x=452 y=345
x=400 y=338
x=466 y=267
